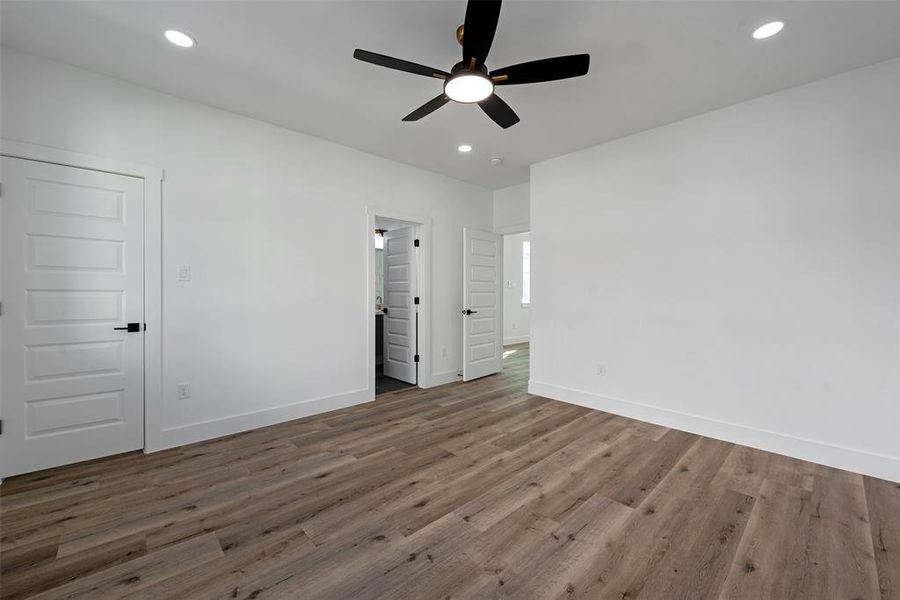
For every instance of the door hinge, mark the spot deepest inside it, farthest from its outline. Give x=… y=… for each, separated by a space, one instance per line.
x=416 y=300
x=416 y=358
x=416 y=243
x=1 y=426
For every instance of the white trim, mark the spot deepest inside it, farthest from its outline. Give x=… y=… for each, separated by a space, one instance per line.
x=17 y=149
x=207 y=430
x=513 y=229
x=153 y=178
x=518 y=339
x=423 y=265
x=841 y=457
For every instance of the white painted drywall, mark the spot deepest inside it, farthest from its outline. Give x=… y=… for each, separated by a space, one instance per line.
x=737 y=273
x=274 y=323
x=511 y=209
x=516 y=318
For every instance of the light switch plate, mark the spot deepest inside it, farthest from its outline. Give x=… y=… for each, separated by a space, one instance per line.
x=184 y=272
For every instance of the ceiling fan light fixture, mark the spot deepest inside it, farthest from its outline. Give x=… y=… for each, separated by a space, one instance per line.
x=468 y=88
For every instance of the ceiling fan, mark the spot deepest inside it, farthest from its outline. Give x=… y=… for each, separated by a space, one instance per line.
x=470 y=81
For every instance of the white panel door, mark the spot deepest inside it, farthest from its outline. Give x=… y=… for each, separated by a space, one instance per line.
x=73 y=256
x=399 y=294
x=482 y=304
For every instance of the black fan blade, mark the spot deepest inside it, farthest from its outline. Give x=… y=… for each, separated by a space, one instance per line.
x=399 y=64
x=427 y=108
x=478 y=30
x=547 y=69
x=499 y=111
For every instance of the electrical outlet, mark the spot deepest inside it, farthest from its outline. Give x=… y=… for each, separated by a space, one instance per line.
x=443 y=353
x=184 y=391
x=601 y=370
x=515 y=326
x=184 y=272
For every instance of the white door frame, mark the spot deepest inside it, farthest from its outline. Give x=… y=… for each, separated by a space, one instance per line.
x=153 y=178
x=423 y=271
x=505 y=231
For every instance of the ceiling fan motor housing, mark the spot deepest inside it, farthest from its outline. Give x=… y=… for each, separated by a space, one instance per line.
x=461 y=67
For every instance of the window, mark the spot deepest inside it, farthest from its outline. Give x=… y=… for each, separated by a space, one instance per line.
x=526 y=273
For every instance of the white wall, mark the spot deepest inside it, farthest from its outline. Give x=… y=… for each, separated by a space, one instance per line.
x=516 y=318
x=511 y=209
x=272 y=222
x=737 y=273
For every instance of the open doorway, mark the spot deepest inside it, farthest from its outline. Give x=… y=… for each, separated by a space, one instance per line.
x=397 y=301
x=516 y=288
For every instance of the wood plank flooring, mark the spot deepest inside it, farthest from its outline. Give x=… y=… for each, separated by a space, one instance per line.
x=475 y=490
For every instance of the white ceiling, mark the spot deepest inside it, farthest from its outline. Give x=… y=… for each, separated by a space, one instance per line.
x=290 y=63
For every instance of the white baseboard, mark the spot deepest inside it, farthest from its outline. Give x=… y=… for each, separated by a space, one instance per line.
x=519 y=339
x=841 y=457
x=445 y=378
x=207 y=430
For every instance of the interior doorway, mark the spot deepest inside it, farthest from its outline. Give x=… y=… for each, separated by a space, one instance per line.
x=516 y=288
x=397 y=301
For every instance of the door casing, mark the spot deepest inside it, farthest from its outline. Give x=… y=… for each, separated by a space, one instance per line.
x=423 y=265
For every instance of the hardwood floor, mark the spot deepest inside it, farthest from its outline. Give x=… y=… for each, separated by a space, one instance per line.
x=472 y=490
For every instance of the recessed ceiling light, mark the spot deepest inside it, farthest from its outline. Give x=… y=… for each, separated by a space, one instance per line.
x=468 y=88
x=768 y=30
x=465 y=148
x=496 y=160
x=180 y=38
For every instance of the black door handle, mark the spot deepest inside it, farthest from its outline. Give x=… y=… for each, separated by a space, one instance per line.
x=130 y=328
x=469 y=312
